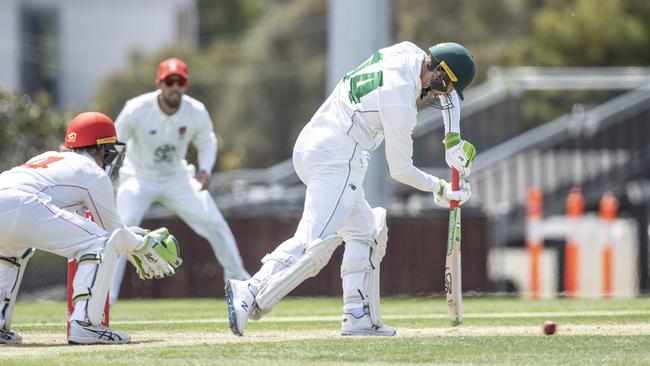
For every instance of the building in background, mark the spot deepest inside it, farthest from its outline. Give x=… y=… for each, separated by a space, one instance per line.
x=66 y=47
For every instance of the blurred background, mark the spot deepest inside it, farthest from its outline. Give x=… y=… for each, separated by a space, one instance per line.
x=559 y=112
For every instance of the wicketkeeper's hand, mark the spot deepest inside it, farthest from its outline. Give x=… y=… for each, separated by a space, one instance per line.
x=459 y=154
x=158 y=255
x=445 y=195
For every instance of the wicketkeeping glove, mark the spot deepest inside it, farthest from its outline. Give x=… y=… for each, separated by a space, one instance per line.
x=445 y=195
x=459 y=154
x=158 y=255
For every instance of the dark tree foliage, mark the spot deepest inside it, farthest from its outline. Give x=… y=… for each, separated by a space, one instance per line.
x=28 y=127
x=226 y=18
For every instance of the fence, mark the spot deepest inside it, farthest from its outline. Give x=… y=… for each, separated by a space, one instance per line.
x=413 y=265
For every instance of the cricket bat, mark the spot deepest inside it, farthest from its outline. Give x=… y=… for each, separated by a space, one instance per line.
x=453 y=282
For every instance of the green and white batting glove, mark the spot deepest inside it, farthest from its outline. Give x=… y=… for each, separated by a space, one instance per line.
x=158 y=255
x=445 y=195
x=459 y=154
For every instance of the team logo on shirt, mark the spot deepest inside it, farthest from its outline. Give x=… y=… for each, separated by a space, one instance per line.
x=165 y=153
x=152 y=132
x=182 y=130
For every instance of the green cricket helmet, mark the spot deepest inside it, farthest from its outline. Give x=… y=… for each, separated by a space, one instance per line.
x=457 y=62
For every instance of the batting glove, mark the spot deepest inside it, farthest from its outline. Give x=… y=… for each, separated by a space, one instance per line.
x=445 y=195
x=459 y=154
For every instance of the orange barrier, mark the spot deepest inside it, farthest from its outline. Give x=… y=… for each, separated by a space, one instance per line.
x=575 y=206
x=534 y=237
x=608 y=212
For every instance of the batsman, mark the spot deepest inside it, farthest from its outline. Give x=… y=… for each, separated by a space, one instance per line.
x=373 y=103
x=39 y=201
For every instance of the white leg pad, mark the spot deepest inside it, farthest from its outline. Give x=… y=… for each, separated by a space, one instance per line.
x=82 y=284
x=370 y=295
x=104 y=276
x=317 y=254
x=9 y=297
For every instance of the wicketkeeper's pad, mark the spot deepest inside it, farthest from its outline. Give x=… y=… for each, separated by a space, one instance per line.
x=10 y=298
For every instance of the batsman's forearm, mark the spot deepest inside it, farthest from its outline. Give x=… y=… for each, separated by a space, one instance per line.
x=451 y=116
x=416 y=178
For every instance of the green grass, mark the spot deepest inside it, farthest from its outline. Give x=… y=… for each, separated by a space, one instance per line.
x=303 y=331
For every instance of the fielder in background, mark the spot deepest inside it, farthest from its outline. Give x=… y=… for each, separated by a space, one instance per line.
x=374 y=102
x=38 y=201
x=157 y=128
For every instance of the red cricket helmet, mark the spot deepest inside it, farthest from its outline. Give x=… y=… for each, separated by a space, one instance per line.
x=90 y=129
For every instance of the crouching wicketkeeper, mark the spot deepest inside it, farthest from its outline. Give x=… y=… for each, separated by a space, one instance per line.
x=38 y=201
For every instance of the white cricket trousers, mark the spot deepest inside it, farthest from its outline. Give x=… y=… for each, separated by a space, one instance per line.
x=182 y=194
x=334 y=203
x=29 y=219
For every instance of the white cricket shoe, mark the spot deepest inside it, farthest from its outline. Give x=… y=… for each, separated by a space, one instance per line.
x=353 y=326
x=86 y=333
x=8 y=336
x=240 y=301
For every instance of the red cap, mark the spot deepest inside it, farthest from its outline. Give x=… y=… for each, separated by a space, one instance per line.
x=90 y=129
x=172 y=66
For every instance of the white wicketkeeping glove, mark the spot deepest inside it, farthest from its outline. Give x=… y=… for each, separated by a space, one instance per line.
x=158 y=255
x=459 y=154
x=445 y=195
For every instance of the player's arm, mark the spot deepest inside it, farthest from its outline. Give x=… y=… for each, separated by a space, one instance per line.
x=149 y=251
x=459 y=154
x=399 y=122
x=205 y=142
x=124 y=123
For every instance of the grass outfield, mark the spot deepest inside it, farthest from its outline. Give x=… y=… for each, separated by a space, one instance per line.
x=304 y=331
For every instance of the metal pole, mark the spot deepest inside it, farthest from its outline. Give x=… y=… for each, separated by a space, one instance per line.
x=356 y=30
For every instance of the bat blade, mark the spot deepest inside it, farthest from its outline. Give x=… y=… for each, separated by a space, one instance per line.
x=453 y=281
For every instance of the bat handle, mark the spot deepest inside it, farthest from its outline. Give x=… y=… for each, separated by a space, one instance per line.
x=455 y=182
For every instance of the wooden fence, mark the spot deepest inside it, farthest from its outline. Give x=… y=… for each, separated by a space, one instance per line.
x=413 y=265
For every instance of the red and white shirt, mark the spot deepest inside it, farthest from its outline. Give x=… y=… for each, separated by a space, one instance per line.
x=72 y=181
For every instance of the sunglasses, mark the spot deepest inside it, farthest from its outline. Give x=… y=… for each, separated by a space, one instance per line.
x=171 y=81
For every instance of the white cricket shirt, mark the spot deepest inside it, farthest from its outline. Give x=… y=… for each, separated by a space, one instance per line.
x=72 y=180
x=377 y=102
x=157 y=143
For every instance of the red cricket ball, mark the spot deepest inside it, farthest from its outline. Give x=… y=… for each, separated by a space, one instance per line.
x=549 y=327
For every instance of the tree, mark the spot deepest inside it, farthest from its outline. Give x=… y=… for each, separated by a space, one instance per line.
x=588 y=33
x=29 y=127
x=225 y=18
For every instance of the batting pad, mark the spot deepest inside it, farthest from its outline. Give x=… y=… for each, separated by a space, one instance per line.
x=370 y=267
x=316 y=256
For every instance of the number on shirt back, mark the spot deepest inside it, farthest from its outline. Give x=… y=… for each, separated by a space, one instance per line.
x=41 y=162
x=364 y=83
